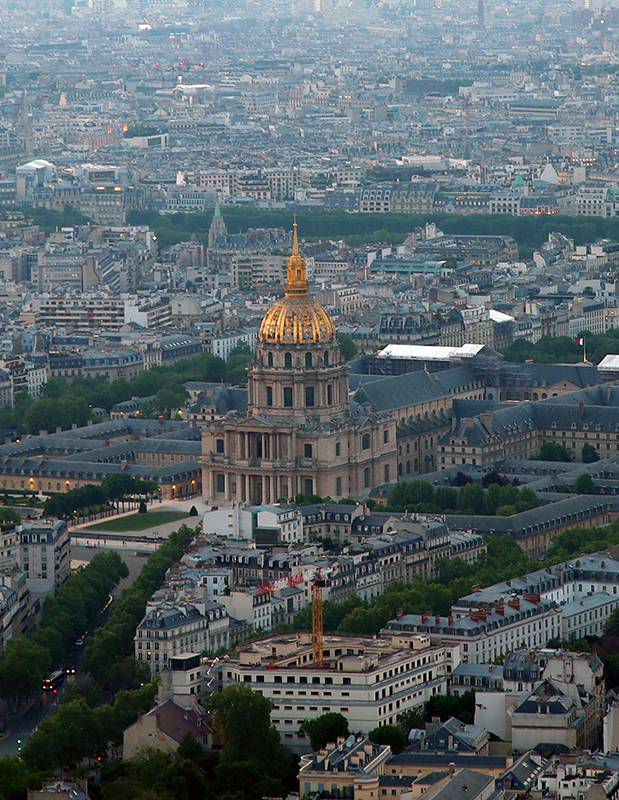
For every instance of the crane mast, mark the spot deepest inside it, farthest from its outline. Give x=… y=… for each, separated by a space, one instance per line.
x=318 y=583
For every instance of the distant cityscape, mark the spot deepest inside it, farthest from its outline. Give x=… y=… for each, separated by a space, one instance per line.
x=309 y=405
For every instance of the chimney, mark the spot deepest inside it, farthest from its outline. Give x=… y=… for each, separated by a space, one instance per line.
x=452 y=768
x=581 y=410
x=424 y=618
x=450 y=621
x=437 y=619
x=486 y=420
x=399 y=613
x=515 y=604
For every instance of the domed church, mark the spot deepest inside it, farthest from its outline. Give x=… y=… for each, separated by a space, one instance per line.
x=301 y=432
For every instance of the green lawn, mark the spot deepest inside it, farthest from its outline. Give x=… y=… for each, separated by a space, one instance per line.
x=138 y=522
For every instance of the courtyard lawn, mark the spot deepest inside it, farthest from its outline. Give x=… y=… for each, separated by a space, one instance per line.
x=138 y=522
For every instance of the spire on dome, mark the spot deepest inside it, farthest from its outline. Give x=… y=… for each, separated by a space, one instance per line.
x=296 y=280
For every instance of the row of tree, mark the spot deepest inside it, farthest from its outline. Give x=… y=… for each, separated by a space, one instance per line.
x=64 y=404
x=28 y=659
x=116 y=488
x=423 y=497
x=109 y=654
x=529 y=232
x=77 y=731
x=503 y=560
x=564 y=349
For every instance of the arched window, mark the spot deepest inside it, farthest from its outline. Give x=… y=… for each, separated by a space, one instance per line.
x=365 y=441
x=326 y=358
x=308 y=360
x=309 y=396
x=387 y=473
x=366 y=477
x=270 y=359
x=408 y=467
x=288 y=361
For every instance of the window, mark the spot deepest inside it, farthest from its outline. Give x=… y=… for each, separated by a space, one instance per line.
x=288 y=396
x=221 y=483
x=365 y=441
x=269 y=395
x=338 y=449
x=326 y=358
x=219 y=445
x=385 y=437
x=308 y=361
x=386 y=473
x=366 y=477
x=329 y=394
x=288 y=361
x=307 y=450
x=309 y=396
x=338 y=487
x=309 y=486
x=270 y=359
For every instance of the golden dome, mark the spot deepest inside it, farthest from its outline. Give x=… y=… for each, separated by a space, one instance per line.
x=297 y=318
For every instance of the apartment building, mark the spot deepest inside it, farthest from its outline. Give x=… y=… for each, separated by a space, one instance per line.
x=172 y=628
x=486 y=632
x=222 y=346
x=370 y=681
x=77 y=314
x=44 y=554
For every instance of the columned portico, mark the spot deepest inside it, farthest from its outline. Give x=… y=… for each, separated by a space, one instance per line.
x=300 y=434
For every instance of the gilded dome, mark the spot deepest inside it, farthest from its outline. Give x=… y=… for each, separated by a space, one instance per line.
x=297 y=318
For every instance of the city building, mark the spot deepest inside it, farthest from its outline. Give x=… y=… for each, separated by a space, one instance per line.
x=370 y=681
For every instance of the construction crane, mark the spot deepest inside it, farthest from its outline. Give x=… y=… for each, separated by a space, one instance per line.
x=317 y=578
x=318 y=584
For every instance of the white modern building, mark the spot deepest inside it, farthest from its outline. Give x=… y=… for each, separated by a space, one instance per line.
x=370 y=681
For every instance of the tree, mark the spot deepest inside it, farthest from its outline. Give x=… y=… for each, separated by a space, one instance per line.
x=391 y=735
x=325 y=728
x=550 y=451
x=471 y=498
x=447 y=706
x=584 y=484
x=244 y=716
x=347 y=346
x=589 y=454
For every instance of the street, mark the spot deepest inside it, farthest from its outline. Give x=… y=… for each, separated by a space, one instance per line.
x=21 y=725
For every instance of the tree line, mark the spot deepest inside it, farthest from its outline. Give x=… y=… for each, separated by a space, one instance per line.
x=109 y=654
x=28 y=659
x=455 y=578
x=90 y=499
x=564 y=349
x=499 y=499
x=251 y=764
x=529 y=231
x=64 y=403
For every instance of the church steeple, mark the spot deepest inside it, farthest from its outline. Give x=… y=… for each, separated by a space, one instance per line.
x=218 y=225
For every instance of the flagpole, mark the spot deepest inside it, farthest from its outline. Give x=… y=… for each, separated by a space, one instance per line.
x=584 y=344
